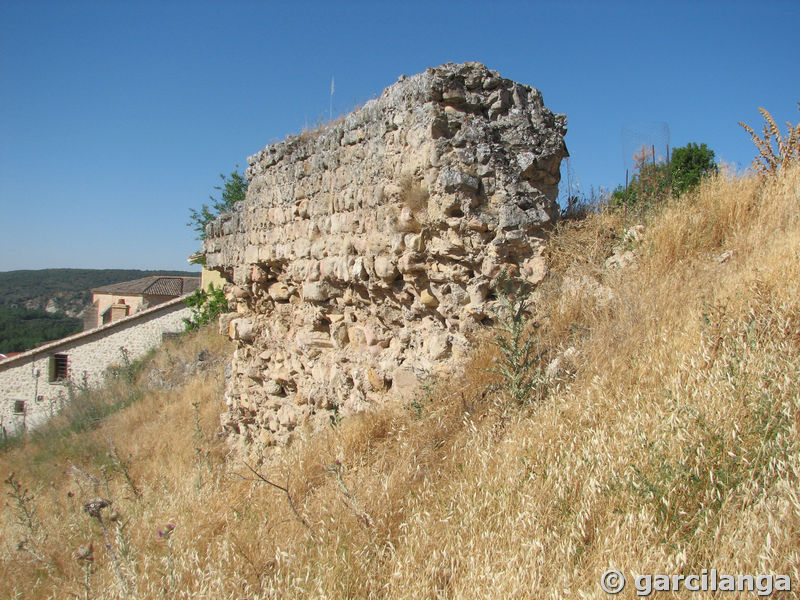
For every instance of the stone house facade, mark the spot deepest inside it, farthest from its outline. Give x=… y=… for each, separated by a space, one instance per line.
x=34 y=384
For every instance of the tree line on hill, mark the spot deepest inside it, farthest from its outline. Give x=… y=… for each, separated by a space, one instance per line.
x=24 y=329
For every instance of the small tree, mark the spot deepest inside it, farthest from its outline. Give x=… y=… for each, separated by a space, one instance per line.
x=206 y=306
x=233 y=189
x=689 y=165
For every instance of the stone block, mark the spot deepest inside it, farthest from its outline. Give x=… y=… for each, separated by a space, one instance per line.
x=385 y=267
x=317 y=291
x=242 y=329
x=404 y=383
x=279 y=292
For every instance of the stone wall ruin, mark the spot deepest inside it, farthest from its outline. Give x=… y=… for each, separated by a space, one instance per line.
x=361 y=259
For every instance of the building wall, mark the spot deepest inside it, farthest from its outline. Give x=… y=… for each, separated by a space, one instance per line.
x=209 y=278
x=138 y=302
x=105 y=300
x=89 y=354
x=153 y=299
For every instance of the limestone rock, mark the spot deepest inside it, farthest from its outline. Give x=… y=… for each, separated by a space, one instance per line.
x=404 y=383
x=242 y=329
x=427 y=299
x=279 y=292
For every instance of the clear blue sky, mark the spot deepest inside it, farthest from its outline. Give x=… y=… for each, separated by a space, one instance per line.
x=117 y=117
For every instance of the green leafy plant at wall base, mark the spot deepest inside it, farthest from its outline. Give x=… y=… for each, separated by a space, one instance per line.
x=519 y=363
x=206 y=306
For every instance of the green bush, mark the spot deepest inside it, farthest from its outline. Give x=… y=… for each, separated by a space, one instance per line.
x=206 y=306
x=655 y=180
x=520 y=360
x=689 y=165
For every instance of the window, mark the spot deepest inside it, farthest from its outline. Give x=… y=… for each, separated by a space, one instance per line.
x=58 y=367
x=19 y=407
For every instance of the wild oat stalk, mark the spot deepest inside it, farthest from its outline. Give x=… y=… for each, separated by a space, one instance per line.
x=775 y=151
x=348 y=499
x=285 y=490
x=201 y=456
x=123 y=466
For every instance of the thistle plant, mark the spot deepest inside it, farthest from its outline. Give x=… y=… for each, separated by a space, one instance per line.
x=85 y=558
x=123 y=466
x=94 y=508
x=28 y=520
x=168 y=577
x=520 y=355
x=24 y=510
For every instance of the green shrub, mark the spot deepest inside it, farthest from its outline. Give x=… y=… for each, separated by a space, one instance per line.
x=689 y=165
x=519 y=363
x=654 y=180
x=206 y=306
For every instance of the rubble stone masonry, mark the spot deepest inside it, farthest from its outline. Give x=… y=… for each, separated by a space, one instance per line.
x=361 y=260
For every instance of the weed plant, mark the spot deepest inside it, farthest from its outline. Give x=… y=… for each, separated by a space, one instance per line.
x=206 y=306
x=774 y=150
x=519 y=363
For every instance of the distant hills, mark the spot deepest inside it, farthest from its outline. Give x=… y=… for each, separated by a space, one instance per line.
x=46 y=304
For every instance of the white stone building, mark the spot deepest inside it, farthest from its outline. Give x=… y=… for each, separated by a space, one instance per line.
x=33 y=384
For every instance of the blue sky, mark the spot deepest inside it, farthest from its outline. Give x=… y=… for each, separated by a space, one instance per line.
x=117 y=117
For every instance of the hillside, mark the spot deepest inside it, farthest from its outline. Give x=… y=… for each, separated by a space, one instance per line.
x=661 y=435
x=63 y=290
x=22 y=329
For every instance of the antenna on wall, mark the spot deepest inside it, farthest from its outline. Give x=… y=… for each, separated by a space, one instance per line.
x=330 y=113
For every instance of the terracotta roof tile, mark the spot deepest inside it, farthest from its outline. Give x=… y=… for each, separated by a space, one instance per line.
x=153 y=285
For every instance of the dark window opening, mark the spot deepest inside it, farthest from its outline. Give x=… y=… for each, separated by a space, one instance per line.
x=19 y=407
x=58 y=367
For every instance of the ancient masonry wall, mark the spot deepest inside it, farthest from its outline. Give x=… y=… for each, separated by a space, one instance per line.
x=361 y=259
x=26 y=378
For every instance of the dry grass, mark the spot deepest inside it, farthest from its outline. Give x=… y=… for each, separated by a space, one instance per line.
x=670 y=446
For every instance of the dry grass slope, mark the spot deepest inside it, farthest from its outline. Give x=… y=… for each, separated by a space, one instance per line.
x=670 y=444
